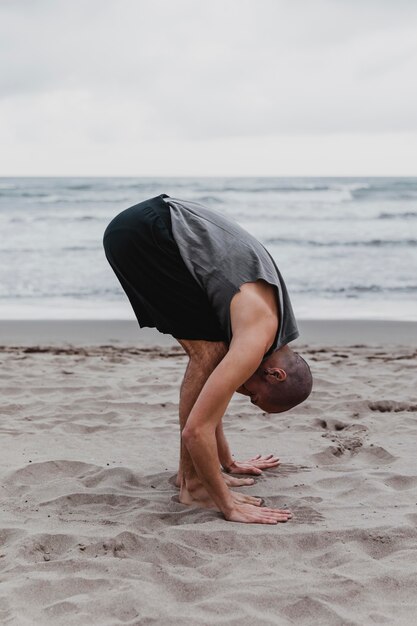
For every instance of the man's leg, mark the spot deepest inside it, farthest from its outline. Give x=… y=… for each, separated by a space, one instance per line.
x=204 y=356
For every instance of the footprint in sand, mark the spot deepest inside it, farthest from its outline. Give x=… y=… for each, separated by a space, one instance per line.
x=331 y=424
x=391 y=406
x=372 y=455
x=347 y=439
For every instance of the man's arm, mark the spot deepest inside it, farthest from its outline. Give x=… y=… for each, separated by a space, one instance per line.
x=253 y=466
x=225 y=456
x=253 y=309
x=244 y=356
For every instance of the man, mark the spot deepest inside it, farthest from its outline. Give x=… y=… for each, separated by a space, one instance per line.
x=194 y=274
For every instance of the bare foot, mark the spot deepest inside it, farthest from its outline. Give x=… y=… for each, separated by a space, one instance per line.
x=198 y=496
x=246 y=508
x=230 y=481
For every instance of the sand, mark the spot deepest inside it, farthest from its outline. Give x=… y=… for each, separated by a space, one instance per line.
x=92 y=532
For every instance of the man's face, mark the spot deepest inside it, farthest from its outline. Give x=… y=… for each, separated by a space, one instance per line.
x=258 y=387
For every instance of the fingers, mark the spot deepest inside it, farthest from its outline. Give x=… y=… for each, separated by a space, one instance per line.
x=256 y=471
x=286 y=512
x=249 y=514
x=245 y=468
x=275 y=516
x=272 y=519
x=267 y=464
x=264 y=462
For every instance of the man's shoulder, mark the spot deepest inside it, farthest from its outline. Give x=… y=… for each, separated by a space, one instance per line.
x=254 y=311
x=256 y=295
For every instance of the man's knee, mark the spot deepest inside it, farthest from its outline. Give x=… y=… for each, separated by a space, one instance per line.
x=205 y=353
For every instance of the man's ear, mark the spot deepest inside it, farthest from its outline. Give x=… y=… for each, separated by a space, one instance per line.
x=277 y=372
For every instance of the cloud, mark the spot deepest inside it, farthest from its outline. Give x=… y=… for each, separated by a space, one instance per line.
x=106 y=73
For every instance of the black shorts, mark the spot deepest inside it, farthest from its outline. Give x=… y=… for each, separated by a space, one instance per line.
x=142 y=251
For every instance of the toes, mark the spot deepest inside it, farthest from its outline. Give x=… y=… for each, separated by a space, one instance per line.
x=241 y=482
x=249 y=500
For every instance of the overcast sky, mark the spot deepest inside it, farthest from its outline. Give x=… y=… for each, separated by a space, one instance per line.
x=218 y=87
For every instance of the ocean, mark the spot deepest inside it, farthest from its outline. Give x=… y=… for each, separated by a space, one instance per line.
x=347 y=247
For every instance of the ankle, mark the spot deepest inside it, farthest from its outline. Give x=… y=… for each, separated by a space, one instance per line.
x=191 y=483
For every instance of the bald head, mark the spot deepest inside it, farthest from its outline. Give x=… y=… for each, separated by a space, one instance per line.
x=282 y=381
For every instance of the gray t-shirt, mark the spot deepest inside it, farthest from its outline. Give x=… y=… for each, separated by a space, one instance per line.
x=222 y=256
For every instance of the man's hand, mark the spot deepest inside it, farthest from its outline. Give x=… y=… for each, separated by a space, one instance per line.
x=252 y=466
x=249 y=514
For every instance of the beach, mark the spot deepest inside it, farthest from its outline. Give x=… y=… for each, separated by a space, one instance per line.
x=91 y=526
x=92 y=531
x=157 y=159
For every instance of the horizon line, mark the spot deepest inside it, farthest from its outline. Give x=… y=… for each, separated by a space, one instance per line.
x=208 y=176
